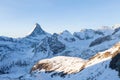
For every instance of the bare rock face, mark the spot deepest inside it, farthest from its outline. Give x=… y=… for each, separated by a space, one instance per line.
x=42 y=65
x=42 y=47
x=100 y=40
x=116 y=30
x=7 y=39
x=108 y=54
x=55 y=45
x=87 y=34
x=67 y=36
x=37 y=31
x=50 y=44
x=115 y=63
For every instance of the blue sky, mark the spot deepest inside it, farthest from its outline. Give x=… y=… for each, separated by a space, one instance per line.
x=17 y=17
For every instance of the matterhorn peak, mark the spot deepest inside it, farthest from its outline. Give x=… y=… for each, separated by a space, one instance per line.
x=37 y=30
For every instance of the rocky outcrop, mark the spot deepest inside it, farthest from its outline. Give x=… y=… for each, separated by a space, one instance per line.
x=50 y=43
x=67 y=36
x=42 y=47
x=62 y=65
x=67 y=65
x=87 y=34
x=102 y=56
x=115 y=63
x=100 y=40
x=7 y=39
x=55 y=45
x=37 y=31
x=99 y=33
x=116 y=30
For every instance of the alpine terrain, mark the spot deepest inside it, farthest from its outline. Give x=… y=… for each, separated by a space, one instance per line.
x=85 y=55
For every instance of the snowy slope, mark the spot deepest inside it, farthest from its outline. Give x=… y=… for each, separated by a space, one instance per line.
x=63 y=68
x=17 y=56
x=60 y=64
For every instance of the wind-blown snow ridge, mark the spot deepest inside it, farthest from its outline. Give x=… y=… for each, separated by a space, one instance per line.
x=63 y=64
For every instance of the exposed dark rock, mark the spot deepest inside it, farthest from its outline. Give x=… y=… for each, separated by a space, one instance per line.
x=50 y=43
x=47 y=66
x=87 y=34
x=99 y=33
x=59 y=68
x=55 y=45
x=115 y=63
x=67 y=36
x=78 y=36
x=61 y=74
x=116 y=30
x=42 y=47
x=6 y=39
x=100 y=40
x=37 y=31
x=70 y=39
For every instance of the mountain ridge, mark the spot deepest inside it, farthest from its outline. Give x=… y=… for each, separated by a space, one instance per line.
x=19 y=55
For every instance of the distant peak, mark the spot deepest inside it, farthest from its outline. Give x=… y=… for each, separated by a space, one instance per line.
x=66 y=32
x=37 y=30
x=104 y=28
x=37 y=24
x=116 y=26
x=37 y=27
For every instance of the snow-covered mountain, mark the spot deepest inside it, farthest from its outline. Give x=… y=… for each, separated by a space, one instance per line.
x=101 y=66
x=66 y=56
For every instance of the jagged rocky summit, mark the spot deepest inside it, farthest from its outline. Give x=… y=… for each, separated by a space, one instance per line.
x=37 y=31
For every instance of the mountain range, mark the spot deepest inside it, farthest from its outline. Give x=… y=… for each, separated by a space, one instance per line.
x=85 y=55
